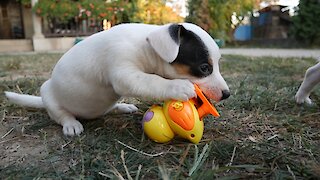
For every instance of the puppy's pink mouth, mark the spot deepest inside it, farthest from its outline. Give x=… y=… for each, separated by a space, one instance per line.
x=212 y=94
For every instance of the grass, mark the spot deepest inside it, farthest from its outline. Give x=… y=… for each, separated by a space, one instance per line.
x=261 y=134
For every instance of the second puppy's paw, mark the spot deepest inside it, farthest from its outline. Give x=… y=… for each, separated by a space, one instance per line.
x=302 y=98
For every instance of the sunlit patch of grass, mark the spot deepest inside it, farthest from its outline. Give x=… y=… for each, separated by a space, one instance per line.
x=261 y=134
x=16 y=66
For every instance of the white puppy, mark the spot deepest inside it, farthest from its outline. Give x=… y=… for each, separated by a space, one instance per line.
x=311 y=79
x=132 y=60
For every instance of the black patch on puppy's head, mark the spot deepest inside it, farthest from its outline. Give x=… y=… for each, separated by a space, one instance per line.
x=174 y=31
x=193 y=57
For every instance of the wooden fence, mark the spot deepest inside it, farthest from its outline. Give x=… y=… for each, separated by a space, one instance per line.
x=51 y=27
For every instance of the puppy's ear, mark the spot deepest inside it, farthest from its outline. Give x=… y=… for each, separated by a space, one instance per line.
x=166 y=41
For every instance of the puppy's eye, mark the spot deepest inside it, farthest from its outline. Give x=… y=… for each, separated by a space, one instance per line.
x=205 y=68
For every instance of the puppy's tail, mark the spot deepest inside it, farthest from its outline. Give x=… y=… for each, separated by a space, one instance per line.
x=25 y=100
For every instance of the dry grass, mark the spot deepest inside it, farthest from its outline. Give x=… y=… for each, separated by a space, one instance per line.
x=261 y=134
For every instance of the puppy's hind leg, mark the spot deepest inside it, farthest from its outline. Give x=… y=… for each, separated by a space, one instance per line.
x=71 y=126
x=123 y=108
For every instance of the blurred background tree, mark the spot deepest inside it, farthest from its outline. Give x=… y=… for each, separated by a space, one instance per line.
x=154 y=12
x=306 y=24
x=144 y=11
x=215 y=16
x=64 y=10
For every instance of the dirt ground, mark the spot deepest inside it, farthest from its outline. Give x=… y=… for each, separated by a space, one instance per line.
x=17 y=145
x=262 y=132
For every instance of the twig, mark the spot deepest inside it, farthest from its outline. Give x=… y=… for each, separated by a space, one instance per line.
x=125 y=166
x=30 y=136
x=4 y=116
x=17 y=86
x=117 y=173
x=6 y=134
x=312 y=114
x=232 y=157
x=14 y=117
x=65 y=145
x=141 y=152
x=183 y=157
x=300 y=142
x=291 y=172
x=8 y=140
x=139 y=170
x=214 y=167
x=164 y=172
x=272 y=137
x=104 y=175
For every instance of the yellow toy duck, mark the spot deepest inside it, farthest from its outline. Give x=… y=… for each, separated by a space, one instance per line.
x=182 y=118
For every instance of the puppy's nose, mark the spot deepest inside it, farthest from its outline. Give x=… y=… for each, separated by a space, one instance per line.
x=225 y=94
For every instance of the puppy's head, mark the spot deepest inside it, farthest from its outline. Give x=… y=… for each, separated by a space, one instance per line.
x=192 y=54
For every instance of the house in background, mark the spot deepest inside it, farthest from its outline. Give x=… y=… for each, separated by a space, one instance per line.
x=16 y=29
x=272 y=24
x=22 y=30
x=11 y=20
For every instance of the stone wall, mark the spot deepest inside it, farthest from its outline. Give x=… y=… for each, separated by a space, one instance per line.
x=37 y=44
x=17 y=45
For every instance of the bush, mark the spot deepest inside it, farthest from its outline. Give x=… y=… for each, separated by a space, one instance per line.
x=306 y=27
x=64 y=10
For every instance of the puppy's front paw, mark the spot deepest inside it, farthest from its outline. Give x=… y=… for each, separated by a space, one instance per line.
x=180 y=90
x=301 y=98
x=72 y=127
